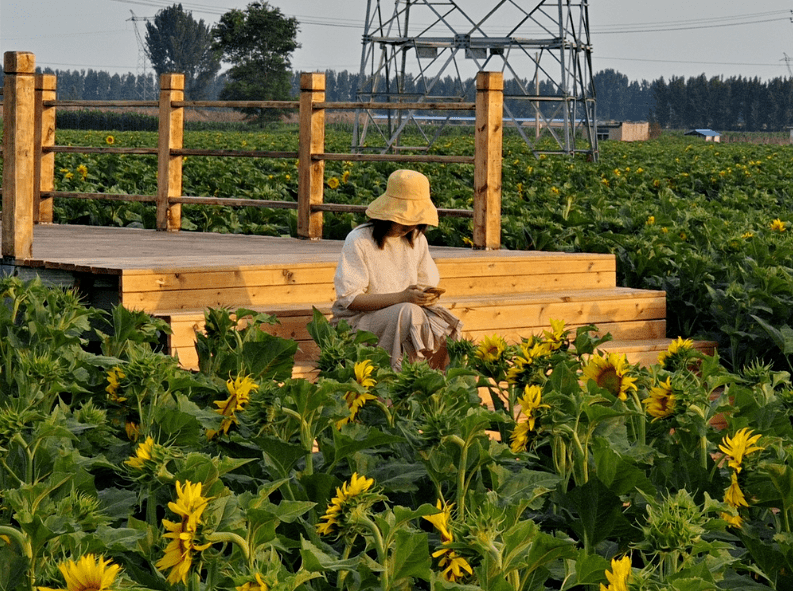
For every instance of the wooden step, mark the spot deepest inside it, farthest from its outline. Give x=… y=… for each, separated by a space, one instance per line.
x=626 y=314
x=289 y=283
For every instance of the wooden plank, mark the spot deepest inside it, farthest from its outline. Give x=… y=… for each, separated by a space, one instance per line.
x=487 y=165
x=207 y=278
x=46 y=85
x=465 y=286
x=18 y=154
x=527 y=265
x=624 y=331
x=525 y=315
x=232 y=297
x=311 y=173
x=169 y=166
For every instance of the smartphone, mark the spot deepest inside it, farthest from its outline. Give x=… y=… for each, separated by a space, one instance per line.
x=437 y=291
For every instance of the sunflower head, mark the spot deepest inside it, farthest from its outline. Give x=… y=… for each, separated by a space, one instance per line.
x=618 y=575
x=661 y=401
x=530 y=363
x=353 y=500
x=611 y=374
x=89 y=573
x=183 y=535
x=739 y=446
x=679 y=355
x=557 y=337
x=491 y=349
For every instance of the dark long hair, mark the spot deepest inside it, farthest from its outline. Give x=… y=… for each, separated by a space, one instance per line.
x=381 y=227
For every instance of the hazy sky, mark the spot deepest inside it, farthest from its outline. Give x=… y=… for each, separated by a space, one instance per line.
x=642 y=39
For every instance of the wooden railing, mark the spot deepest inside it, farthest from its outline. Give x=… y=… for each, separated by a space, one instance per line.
x=29 y=149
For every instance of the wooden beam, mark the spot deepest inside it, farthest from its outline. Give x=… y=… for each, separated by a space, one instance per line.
x=169 y=166
x=18 y=154
x=311 y=172
x=46 y=86
x=487 y=160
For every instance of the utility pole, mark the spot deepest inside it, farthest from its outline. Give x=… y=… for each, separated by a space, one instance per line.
x=142 y=69
x=412 y=49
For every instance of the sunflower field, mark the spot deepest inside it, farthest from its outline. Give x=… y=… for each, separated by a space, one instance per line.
x=709 y=224
x=119 y=470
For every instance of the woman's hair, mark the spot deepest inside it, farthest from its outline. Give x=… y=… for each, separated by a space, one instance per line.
x=382 y=227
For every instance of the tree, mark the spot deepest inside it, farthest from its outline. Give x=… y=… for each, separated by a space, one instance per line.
x=258 y=42
x=176 y=42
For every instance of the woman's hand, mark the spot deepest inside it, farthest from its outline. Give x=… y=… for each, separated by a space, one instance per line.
x=413 y=295
x=416 y=295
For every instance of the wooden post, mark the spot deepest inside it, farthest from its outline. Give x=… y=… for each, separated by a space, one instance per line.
x=169 y=168
x=311 y=174
x=487 y=160
x=19 y=109
x=46 y=85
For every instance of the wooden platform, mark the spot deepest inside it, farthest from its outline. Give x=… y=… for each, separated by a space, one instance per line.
x=178 y=275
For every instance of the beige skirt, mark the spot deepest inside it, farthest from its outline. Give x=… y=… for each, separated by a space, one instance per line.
x=405 y=330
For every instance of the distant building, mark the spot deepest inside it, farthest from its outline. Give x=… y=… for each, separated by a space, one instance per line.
x=624 y=131
x=707 y=134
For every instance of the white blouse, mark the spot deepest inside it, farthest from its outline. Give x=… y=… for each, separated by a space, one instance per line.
x=364 y=268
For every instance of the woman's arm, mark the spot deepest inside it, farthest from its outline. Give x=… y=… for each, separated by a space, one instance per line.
x=369 y=302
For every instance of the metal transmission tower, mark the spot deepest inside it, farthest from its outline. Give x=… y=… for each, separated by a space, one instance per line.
x=430 y=51
x=142 y=70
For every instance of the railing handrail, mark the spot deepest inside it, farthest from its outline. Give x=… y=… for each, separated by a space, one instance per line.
x=31 y=147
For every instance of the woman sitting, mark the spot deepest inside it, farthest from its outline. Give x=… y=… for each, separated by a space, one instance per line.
x=386 y=281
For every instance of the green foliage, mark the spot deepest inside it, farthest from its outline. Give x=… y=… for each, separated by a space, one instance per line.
x=176 y=42
x=258 y=42
x=421 y=486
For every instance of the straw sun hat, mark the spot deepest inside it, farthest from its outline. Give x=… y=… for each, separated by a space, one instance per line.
x=406 y=200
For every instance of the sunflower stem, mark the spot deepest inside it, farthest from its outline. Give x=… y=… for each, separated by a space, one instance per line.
x=382 y=554
x=640 y=421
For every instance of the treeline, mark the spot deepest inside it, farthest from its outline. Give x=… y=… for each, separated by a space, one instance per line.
x=98 y=85
x=723 y=104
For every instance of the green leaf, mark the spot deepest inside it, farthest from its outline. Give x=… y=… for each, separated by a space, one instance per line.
x=315 y=560
x=596 y=512
x=279 y=454
x=411 y=556
x=270 y=359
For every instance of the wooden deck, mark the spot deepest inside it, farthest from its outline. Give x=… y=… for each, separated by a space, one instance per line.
x=178 y=275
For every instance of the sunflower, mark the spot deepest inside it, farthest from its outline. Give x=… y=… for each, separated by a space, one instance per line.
x=525 y=363
x=610 y=373
x=114 y=377
x=333 y=183
x=777 y=225
x=739 y=446
x=491 y=349
x=89 y=573
x=661 y=401
x=110 y=140
x=239 y=395
x=142 y=455
x=619 y=575
x=356 y=400
x=349 y=495
x=441 y=520
x=557 y=336
x=132 y=430
x=678 y=349
x=453 y=566
x=258 y=585
x=179 y=551
x=734 y=496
